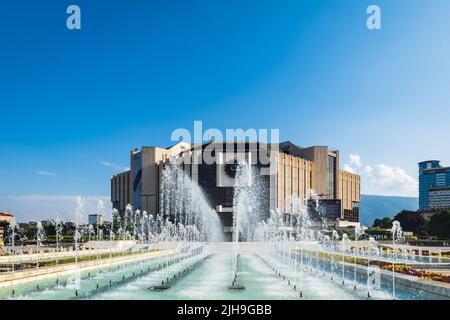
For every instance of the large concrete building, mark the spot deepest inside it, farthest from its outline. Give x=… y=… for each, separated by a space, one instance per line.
x=434 y=185
x=5 y=219
x=291 y=172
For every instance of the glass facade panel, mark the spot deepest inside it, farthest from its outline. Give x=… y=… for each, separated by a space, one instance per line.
x=331 y=173
x=431 y=175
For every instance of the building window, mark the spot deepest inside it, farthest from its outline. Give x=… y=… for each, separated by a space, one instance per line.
x=331 y=171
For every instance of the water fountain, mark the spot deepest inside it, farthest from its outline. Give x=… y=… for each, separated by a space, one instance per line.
x=272 y=255
x=247 y=211
x=91 y=236
x=99 y=238
x=345 y=241
x=372 y=251
x=334 y=238
x=77 y=234
x=40 y=237
x=59 y=237
x=397 y=236
x=358 y=233
x=185 y=203
x=12 y=231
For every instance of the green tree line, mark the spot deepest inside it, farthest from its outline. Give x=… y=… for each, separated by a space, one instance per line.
x=438 y=225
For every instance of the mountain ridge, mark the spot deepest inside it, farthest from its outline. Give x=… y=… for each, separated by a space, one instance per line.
x=376 y=206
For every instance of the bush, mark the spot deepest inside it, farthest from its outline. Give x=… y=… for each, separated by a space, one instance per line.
x=412 y=221
x=384 y=223
x=440 y=224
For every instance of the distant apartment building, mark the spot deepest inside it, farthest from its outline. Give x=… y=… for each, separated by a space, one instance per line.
x=5 y=219
x=95 y=219
x=298 y=171
x=434 y=185
x=48 y=223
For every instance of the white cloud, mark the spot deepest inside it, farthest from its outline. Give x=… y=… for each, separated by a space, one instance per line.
x=368 y=169
x=382 y=179
x=114 y=166
x=348 y=168
x=355 y=159
x=45 y=173
x=39 y=207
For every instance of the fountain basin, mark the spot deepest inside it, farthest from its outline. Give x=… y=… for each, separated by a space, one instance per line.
x=236 y=287
x=159 y=288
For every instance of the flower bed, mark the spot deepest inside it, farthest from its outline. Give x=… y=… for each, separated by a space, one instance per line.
x=435 y=276
x=400 y=268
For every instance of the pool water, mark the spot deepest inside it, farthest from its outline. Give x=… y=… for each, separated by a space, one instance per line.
x=206 y=276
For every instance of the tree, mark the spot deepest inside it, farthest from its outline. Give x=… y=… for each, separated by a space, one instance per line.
x=384 y=223
x=69 y=228
x=413 y=222
x=105 y=227
x=28 y=230
x=50 y=229
x=440 y=224
x=5 y=226
x=376 y=223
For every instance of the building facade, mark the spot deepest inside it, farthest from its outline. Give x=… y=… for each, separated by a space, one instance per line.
x=292 y=172
x=434 y=185
x=5 y=219
x=95 y=219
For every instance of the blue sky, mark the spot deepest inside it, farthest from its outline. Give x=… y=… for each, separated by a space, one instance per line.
x=73 y=102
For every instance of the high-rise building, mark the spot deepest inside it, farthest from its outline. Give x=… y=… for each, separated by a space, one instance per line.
x=293 y=171
x=5 y=218
x=95 y=219
x=434 y=185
